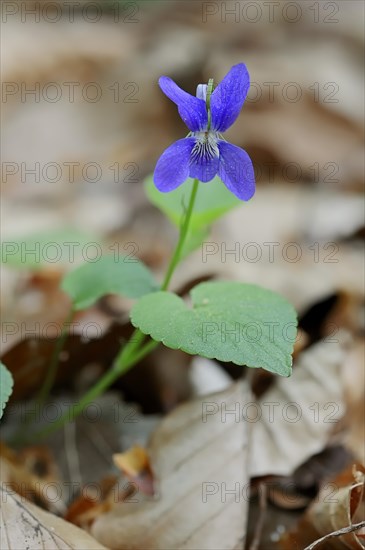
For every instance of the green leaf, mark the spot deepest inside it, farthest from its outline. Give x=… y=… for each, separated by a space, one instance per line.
x=229 y=321
x=212 y=201
x=6 y=386
x=109 y=275
x=49 y=248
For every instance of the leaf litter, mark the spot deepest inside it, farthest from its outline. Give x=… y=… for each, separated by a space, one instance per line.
x=312 y=208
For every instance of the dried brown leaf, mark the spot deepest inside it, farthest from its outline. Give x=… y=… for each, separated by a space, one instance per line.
x=87 y=507
x=336 y=507
x=135 y=464
x=33 y=475
x=202 y=471
x=293 y=420
x=24 y=525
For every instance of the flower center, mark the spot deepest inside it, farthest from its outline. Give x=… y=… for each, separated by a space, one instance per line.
x=206 y=146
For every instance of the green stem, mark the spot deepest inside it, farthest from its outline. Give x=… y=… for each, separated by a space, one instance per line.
x=133 y=344
x=41 y=398
x=104 y=383
x=183 y=233
x=138 y=336
x=52 y=370
x=131 y=352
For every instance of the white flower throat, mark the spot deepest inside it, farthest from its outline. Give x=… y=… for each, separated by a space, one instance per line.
x=206 y=145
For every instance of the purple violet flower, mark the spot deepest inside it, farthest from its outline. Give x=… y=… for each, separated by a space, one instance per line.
x=204 y=153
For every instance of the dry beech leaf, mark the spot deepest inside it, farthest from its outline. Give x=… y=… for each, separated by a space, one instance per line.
x=87 y=506
x=32 y=474
x=199 y=456
x=24 y=525
x=283 y=494
x=309 y=403
x=337 y=506
x=133 y=461
x=135 y=464
x=354 y=390
x=319 y=468
x=297 y=491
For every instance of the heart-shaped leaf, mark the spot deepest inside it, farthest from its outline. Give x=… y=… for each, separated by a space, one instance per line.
x=6 y=387
x=212 y=201
x=229 y=321
x=109 y=275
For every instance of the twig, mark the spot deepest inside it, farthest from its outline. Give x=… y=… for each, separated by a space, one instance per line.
x=338 y=533
x=261 y=519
